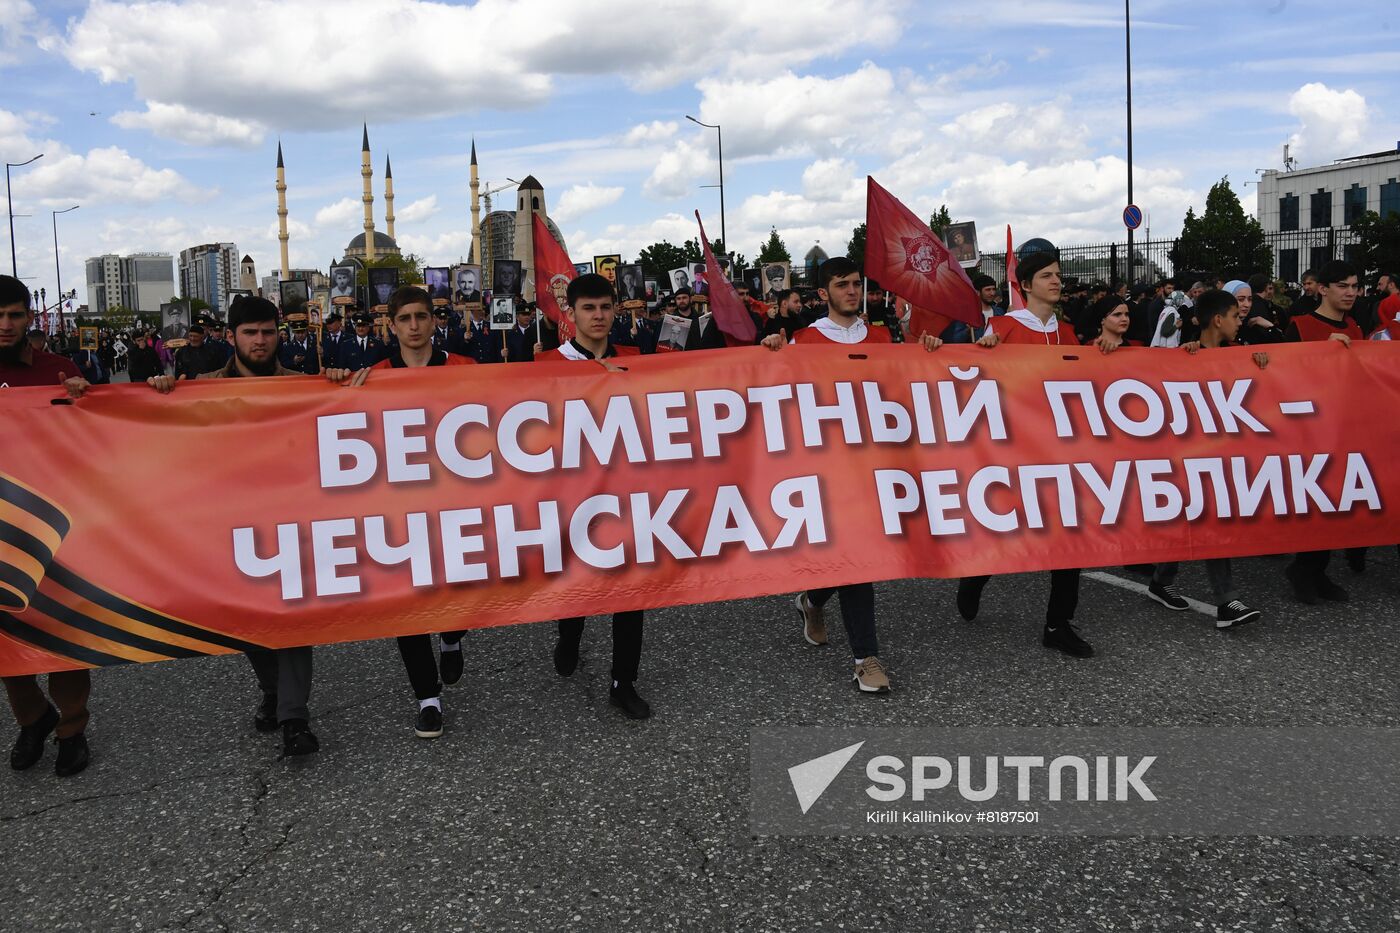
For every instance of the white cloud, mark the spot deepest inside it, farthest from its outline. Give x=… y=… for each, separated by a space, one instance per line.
x=177 y=122
x=340 y=214
x=1333 y=122
x=829 y=179
x=793 y=114
x=583 y=199
x=442 y=249
x=655 y=131
x=676 y=170
x=19 y=25
x=178 y=54
x=417 y=211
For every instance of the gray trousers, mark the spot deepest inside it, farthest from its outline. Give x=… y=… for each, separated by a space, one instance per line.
x=1222 y=581
x=286 y=674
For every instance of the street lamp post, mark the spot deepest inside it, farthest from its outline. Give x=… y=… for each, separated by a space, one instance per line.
x=9 y=204
x=719 y=135
x=1128 y=54
x=57 y=273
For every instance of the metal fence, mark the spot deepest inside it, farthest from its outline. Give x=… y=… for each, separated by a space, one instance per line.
x=1294 y=251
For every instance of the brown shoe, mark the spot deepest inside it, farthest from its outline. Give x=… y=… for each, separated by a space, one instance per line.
x=870 y=677
x=813 y=625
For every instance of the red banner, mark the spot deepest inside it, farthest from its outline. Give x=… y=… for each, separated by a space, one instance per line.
x=277 y=512
x=903 y=255
x=553 y=273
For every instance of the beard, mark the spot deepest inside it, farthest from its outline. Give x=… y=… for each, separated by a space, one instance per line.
x=265 y=368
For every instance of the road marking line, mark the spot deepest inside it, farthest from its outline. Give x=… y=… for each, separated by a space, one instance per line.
x=1141 y=588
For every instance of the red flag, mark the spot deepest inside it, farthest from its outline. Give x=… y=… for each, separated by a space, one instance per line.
x=1014 y=298
x=731 y=314
x=553 y=273
x=903 y=254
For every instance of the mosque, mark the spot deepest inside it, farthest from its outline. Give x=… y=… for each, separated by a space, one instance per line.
x=506 y=234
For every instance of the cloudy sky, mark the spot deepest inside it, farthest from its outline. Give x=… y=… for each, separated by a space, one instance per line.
x=162 y=118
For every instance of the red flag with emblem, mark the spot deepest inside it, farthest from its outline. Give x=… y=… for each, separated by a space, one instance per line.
x=905 y=256
x=553 y=273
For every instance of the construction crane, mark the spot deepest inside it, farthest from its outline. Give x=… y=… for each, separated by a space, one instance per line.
x=484 y=233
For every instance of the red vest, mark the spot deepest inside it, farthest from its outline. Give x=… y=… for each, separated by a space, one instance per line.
x=1311 y=327
x=1011 y=330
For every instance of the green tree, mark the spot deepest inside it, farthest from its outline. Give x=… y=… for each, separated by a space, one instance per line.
x=855 y=247
x=658 y=259
x=940 y=221
x=1222 y=240
x=410 y=268
x=1378 y=242
x=774 y=250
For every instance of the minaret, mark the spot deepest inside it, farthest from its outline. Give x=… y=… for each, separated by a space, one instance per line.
x=282 y=212
x=389 y=196
x=476 y=211
x=529 y=201
x=368 y=198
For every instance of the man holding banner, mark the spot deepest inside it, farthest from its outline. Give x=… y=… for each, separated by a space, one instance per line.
x=1038 y=272
x=284 y=674
x=22 y=365
x=840 y=288
x=592 y=307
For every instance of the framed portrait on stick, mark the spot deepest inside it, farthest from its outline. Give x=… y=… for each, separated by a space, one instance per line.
x=776 y=277
x=466 y=287
x=437 y=283
x=631 y=288
x=502 y=312
x=507 y=279
x=382 y=282
x=606 y=266
x=343 y=284
x=961 y=240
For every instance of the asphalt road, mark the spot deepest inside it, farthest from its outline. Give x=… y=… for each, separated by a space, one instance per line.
x=541 y=808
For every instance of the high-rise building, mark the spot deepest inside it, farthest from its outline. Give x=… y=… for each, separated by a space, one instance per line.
x=208 y=273
x=140 y=282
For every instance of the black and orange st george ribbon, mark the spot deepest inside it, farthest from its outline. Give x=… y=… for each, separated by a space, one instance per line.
x=50 y=607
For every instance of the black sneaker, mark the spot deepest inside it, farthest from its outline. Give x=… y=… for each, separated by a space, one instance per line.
x=29 y=746
x=298 y=739
x=1235 y=613
x=970 y=596
x=1329 y=590
x=1303 y=588
x=1167 y=596
x=1064 y=638
x=265 y=719
x=626 y=698
x=450 y=665
x=429 y=724
x=565 y=657
x=72 y=755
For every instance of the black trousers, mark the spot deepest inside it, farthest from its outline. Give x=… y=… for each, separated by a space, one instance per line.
x=286 y=674
x=857 y=614
x=1064 y=595
x=627 y=642
x=421 y=663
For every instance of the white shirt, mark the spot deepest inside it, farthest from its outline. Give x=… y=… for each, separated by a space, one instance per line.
x=837 y=334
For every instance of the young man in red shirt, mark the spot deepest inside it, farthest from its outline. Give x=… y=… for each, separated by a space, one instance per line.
x=592 y=304
x=1337 y=290
x=1220 y=317
x=411 y=320
x=1038 y=269
x=22 y=365
x=840 y=288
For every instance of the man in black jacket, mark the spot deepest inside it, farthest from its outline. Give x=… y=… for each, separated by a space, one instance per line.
x=197 y=356
x=142 y=361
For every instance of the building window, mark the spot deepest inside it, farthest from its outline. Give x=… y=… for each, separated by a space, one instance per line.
x=1353 y=204
x=1288 y=264
x=1390 y=198
x=1288 y=212
x=535 y=203
x=1320 y=256
x=1320 y=207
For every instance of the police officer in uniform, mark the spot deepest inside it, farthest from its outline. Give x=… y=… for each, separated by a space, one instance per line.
x=362 y=349
x=332 y=336
x=298 y=352
x=447 y=337
x=483 y=344
x=214 y=329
